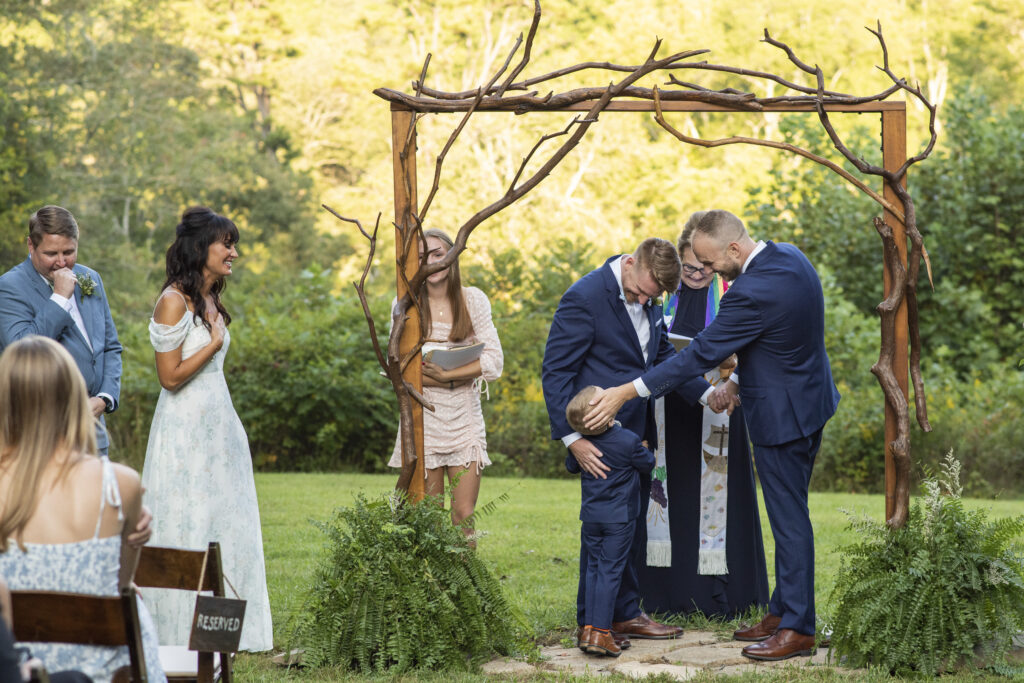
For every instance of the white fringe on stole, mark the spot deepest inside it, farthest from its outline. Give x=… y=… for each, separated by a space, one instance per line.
x=711 y=562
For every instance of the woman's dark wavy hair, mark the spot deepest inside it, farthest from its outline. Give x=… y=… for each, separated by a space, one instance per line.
x=199 y=228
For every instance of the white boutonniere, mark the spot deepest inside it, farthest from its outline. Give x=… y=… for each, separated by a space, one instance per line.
x=87 y=284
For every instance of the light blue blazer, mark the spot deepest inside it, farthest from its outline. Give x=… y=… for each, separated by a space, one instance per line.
x=26 y=309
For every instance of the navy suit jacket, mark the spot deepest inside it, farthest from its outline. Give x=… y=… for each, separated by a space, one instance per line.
x=616 y=499
x=26 y=308
x=593 y=341
x=773 y=318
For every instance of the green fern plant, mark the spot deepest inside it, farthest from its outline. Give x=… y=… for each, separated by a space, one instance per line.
x=398 y=588
x=946 y=588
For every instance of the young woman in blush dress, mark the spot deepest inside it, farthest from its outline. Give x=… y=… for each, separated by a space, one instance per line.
x=454 y=439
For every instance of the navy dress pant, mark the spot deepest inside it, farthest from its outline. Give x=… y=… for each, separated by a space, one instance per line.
x=627 y=601
x=785 y=473
x=608 y=553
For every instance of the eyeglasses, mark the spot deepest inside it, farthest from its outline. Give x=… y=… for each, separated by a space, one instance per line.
x=690 y=270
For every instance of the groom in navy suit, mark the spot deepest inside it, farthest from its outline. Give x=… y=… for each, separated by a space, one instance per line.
x=607 y=330
x=773 y=318
x=49 y=294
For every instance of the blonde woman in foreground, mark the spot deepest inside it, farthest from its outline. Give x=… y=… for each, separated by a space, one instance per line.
x=66 y=513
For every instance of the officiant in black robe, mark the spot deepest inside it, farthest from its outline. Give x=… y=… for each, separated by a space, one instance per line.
x=679 y=588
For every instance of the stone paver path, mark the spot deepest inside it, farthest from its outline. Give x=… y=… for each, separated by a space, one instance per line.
x=681 y=658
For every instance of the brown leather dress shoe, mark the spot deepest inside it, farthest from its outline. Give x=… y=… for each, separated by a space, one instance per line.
x=583 y=635
x=645 y=627
x=602 y=643
x=784 y=644
x=622 y=640
x=764 y=629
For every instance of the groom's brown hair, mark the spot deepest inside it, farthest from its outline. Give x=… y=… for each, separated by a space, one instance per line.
x=659 y=258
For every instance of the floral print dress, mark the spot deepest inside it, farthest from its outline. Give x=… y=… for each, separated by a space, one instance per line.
x=199 y=484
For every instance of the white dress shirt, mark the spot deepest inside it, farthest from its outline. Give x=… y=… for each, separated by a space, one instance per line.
x=71 y=306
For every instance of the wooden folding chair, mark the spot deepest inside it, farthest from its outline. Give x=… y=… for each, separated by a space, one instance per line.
x=182 y=569
x=52 y=617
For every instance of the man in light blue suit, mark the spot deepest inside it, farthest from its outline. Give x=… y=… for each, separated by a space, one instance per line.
x=51 y=295
x=607 y=329
x=773 y=318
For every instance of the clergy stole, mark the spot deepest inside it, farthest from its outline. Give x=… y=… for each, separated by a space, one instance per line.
x=714 y=468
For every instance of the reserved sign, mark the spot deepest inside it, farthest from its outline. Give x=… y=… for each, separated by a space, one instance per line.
x=217 y=624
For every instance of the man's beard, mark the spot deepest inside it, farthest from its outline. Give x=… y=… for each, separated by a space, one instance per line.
x=733 y=272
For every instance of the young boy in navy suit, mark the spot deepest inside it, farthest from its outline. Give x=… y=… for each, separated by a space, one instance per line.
x=608 y=509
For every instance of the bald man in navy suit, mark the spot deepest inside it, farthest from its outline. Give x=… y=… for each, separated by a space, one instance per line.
x=773 y=318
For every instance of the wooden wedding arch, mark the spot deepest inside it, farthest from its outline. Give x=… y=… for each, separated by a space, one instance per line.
x=902 y=243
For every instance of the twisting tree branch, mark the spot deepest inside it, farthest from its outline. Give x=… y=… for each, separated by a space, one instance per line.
x=469 y=112
x=361 y=285
x=887 y=378
x=526 y=51
x=423 y=76
x=736 y=139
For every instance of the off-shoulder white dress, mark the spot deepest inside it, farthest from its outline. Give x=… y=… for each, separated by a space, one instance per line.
x=454 y=435
x=199 y=485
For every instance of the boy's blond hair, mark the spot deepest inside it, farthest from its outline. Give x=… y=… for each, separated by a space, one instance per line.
x=578 y=407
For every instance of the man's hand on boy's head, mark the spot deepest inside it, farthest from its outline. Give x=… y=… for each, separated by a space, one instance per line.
x=606 y=404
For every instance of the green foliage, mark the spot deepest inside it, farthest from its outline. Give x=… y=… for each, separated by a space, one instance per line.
x=934 y=595
x=976 y=415
x=979 y=417
x=810 y=206
x=972 y=206
x=313 y=395
x=398 y=588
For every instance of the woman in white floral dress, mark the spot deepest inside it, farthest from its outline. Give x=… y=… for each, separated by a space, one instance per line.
x=198 y=470
x=454 y=439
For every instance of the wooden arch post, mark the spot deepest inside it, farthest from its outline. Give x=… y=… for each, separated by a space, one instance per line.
x=403 y=148
x=894 y=154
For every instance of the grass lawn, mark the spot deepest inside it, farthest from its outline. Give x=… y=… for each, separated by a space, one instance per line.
x=530 y=541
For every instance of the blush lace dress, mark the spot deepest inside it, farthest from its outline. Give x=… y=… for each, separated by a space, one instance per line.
x=90 y=567
x=199 y=485
x=453 y=435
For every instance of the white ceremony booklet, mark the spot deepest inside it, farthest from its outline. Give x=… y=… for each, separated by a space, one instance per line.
x=679 y=341
x=452 y=357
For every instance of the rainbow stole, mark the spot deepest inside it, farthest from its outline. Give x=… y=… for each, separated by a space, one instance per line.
x=716 y=290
